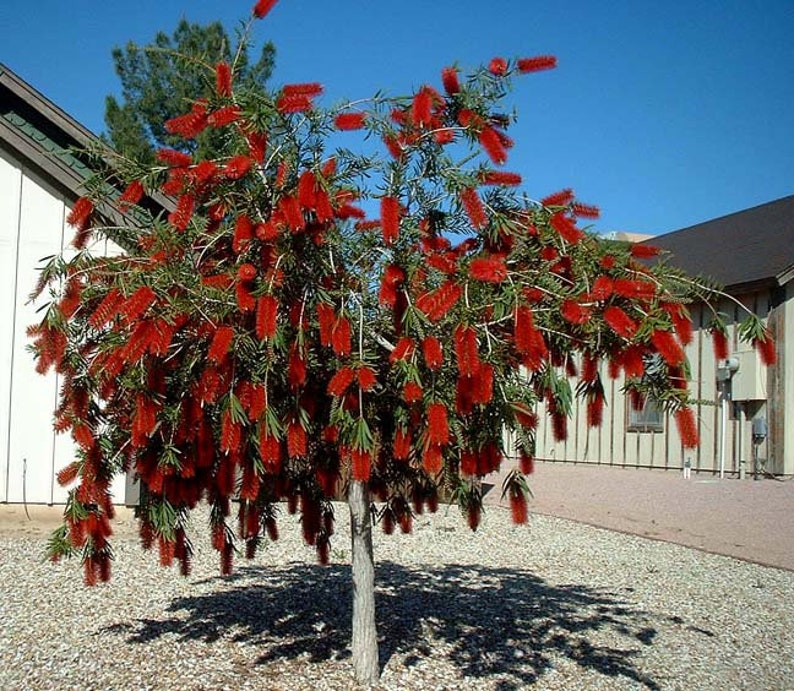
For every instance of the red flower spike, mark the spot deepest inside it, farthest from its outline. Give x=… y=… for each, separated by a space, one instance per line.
x=296 y=440
x=421 y=108
x=559 y=424
x=393 y=278
x=526 y=463
x=720 y=342
x=492 y=145
x=536 y=64
x=224 y=116
x=390 y=219
x=310 y=89
x=243 y=234
x=181 y=215
x=341 y=337
x=297 y=103
x=687 y=428
x=131 y=195
x=237 y=167
x=449 y=78
x=445 y=135
x=403 y=350
x=488 y=269
x=326 y=317
x=595 y=410
x=561 y=198
x=473 y=206
x=246 y=302
x=681 y=323
x=107 y=309
x=263 y=7
x=765 y=348
x=497 y=177
x=466 y=348
x=497 y=66
x=80 y=215
x=266 y=317
x=602 y=288
x=307 y=185
x=402 y=444
x=518 y=507
x=257 y=145
x=223 y=79
x=174 y=158
x=566 y=228
x=361 y=462
x=296 y=369
x=437 y=426
x=642 y=251
x=432 y=460
x=607 y=262
x=221 y=342
x=412 y=392
x=574 y=313
x=366 y=378
x=667 y=346
x=432 y=352
x=349 y=121
x=135 y=305
x=341 y=381
x=620 y=322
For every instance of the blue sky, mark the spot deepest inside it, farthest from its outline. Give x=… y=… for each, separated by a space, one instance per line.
x=664 y=114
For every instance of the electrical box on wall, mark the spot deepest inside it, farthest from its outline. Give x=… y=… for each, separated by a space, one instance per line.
x=749 y=382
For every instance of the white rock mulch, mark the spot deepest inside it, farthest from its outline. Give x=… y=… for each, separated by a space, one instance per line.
x=552 y=605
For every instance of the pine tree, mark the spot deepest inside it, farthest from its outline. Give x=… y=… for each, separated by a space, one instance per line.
x=302 y=324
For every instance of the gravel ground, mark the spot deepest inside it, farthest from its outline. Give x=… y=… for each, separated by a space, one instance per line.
x=552 y=605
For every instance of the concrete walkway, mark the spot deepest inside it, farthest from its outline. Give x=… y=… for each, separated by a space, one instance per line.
x=747 y=519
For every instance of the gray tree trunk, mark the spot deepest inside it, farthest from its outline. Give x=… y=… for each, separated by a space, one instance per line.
x=365 y=635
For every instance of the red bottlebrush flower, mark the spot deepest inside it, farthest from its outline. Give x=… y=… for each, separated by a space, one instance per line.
x=482 y=385
x=607 y=262
x=341 y=337
x=243 y=234
x=263 y=7
x=310 y=89
x=290 y=208
x=297 y=103
x=566 y=228
x=390 y=219
x=493 y=146
x=633 y=364
x=135 y=305
x=473 y=515
x=174 y=158
x=270 y=451
x=349 y=121
x=468 y=463
x=246 y=272
x=257 y=145
x=189 y=125
x=296 y=369
x=266 y=317
x=246 y=302
x=361 y=463
x=307 y=185
x=449 y=78
x=765 y=347
x=236 y=167
x=402 y=444
x=620 y=322
x=466 y=348
x=687 y=427
x=488 y=269
x=497 y=66
x=630 y=288
x=432 y=352
x=341 y=381
x=219 y=281
x=296 y=440
x=681 y=323
x=412 y=392
x=474 y=208
x=437 y=427
x=602 y=288
x=403 y=350
x=221 y=342
x=432 y=459
x=326 y=317
x=79 y=216
x=642 y=251
x=719 y=339
x=518 y=507
x=585 y=210
x=131 y=195
x=595 y=410
x=421 y=108
x=107 y=309
x=559 y=426
x=573 y=312
x=223 y=79
x=444 y=135
x=224 y=116
x=536 y=64
x=393 y=278
x=497 y=177
x=68 y=474
x=526 y=463
x=561 y=198
x=366 y=378
x=667 y=346
x=181 y=215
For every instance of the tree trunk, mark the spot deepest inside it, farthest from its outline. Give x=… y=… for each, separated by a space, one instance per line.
x=365 y=636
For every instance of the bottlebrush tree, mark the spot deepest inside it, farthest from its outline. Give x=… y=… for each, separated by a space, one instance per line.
x=300 y=324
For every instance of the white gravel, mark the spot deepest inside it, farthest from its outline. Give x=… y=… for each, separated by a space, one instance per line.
x=552 y=605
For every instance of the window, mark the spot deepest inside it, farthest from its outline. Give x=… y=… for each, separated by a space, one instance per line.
x=649 y=419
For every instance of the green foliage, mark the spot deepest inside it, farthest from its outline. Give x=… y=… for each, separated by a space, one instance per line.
x=162 y=79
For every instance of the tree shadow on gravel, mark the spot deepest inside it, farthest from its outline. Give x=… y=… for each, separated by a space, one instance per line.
x=489 y=622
